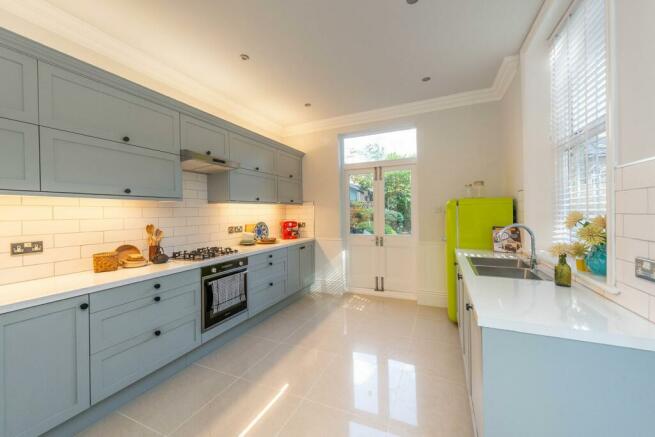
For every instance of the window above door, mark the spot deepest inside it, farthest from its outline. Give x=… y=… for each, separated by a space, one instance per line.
x=385 y=146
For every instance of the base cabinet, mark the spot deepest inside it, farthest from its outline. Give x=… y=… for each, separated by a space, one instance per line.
x=44 y=366
x=307 y=266
x=471 y=342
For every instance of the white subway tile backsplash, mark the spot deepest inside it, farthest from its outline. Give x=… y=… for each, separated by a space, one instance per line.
x=73 y=229
x=625 y=273
x=641 y=227
x=618 y=225
x=628 y=249
x=640 y=175
x=632 y=201
x=635 y=300
x=651 y=200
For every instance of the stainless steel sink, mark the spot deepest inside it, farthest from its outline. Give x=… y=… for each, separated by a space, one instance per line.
x=506 y=272
x=498 y=262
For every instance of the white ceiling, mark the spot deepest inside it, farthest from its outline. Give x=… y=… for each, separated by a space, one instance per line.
x=343 y=56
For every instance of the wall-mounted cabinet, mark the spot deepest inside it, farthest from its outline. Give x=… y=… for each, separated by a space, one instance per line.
x=203 y=137
x=18 y=89
x=289 y=191
x=74 y=103
x=78 y=164
x=44 y=366
x=289 y=166
x=241 y=186
x=252 y=155
x=19 y=151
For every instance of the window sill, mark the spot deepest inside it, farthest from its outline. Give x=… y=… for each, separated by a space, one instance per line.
x=586 y=279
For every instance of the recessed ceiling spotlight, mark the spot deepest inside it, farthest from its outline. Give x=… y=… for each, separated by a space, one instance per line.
x=412 y=2
x=307 y=105
x=426 y=79
x=244 y=57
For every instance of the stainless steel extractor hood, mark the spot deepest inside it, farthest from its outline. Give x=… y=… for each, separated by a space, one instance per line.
x=198 y=163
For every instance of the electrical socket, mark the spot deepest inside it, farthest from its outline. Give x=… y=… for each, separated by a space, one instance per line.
x=234 y=229
x=301 y=224
x=26 y=247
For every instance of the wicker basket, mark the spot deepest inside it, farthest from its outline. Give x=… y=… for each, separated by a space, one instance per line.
x=105 y=262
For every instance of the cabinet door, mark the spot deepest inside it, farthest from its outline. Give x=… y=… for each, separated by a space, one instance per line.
x=72 y=163
x=306 y=265
x=44 y=366
x=74 y=103
x=289 y=191
x=19 y=148
x=266 y=295
x=252 y=155
x=18 y=87
x=289 y=166
x=476 y=372
x=293 y=270
x=203 y=137
x=251 y=186
x=466 y=325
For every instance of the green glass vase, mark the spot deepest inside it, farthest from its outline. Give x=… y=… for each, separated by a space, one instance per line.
x=563 y=272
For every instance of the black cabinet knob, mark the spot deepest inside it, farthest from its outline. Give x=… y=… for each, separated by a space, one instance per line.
x=208 y=152
x=270 y=255
x=291 y=200
x=157 y=298
x=127 y=191
x=257 y=199
x=126 y=139
x=157 y=333
x=270 y=284
x=291 y=176
x=270 y=264
x=157 y=286
x=469 y=307
x=257 y=168
x=84 y=306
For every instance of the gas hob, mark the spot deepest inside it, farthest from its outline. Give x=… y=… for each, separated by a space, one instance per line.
x=203 y=253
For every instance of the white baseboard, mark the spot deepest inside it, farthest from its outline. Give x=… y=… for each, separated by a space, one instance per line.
x=432 y=298
x=390 y=294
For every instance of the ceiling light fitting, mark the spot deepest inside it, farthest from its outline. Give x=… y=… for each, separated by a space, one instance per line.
x=307 y=105
x=412 y=2
x=426 y=79
x=244 y=57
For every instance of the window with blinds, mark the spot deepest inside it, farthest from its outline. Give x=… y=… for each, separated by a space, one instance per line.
x=578 y=114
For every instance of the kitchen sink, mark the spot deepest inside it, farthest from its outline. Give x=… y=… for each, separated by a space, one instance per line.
x=499 y=262
x=506 y=272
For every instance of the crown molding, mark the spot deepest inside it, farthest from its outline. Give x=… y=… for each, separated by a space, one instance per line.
x=47 y=17
x=501 y=83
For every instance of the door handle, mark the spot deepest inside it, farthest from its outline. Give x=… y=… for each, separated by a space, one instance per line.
x=381 y=241
x=377 y=288
x=382 y=283
x=377 y=241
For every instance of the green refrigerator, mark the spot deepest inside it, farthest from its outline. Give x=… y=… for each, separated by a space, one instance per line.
x=469 y=225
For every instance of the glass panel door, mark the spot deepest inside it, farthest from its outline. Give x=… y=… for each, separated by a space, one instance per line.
x=397 y=201
x=361 y=187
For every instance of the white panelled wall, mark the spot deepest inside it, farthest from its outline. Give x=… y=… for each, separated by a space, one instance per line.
x=73 y=229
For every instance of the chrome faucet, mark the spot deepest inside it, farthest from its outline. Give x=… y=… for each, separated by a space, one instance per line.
x=504 y=235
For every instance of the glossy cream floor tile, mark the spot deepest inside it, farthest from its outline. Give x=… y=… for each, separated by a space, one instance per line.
x=165 y=407
x=326 y=365
x=117 y=425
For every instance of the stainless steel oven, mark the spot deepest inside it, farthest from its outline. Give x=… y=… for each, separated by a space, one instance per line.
x=224 y=291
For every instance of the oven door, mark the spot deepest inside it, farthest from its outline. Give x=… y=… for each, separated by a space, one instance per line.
x=224 y=295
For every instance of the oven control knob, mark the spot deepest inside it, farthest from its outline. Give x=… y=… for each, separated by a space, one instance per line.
x=214 y=270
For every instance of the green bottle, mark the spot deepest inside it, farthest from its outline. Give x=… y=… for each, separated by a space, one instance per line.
x=563 y=272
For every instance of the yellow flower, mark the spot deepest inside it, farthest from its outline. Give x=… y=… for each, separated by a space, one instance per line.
x=599 y=221
x=592 y=234
x=577 y=249
x=573 y=218
x=558 y=249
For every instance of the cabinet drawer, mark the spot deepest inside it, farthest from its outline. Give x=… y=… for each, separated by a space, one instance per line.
x=72 y=163
x=75 y=103
x=121 y=323
x=203 y=137
x=266 y=272
x=144 y=289
x=251 y=154
x=289 y=191
x=249 y=186
x=18 y=87
x=119 y=366
x=289 y=166
x=266 y=295
x=19 y=148
x=265 y=258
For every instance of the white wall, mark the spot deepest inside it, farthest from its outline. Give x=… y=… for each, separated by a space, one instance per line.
x=455 y=147
x=512 y=141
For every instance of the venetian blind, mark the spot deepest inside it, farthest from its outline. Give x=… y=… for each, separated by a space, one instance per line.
x=578 y=114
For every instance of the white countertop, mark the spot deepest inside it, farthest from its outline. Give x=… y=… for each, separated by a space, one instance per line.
x=37 y=292
x=542 y=308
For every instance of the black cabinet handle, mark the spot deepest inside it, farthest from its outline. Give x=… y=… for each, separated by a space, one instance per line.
x=157 y=286
x=459 y=276
x=302 y=247
x=270 y=256
x=469 y=307
x=84 y=306
x=257 y=199
x=291 y=176
x=208 y=152
x=257 y=168
x=157 y=333
x=291 y=201
x=126 y=139
x=270 y=264
x=157 y=298
x=127 y=191
x=270 y=284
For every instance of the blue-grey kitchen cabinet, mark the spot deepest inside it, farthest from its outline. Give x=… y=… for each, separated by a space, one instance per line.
x=251 y=154
x=293 y=269
x=300 y=270
x=289 y=191
x=203 y=137
x=19 y=151
x=73 y=163
x=307 y=265
x=241 y=186
x=289 y=166
x=74 y=103
x=18 y=89
x=44 y=366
